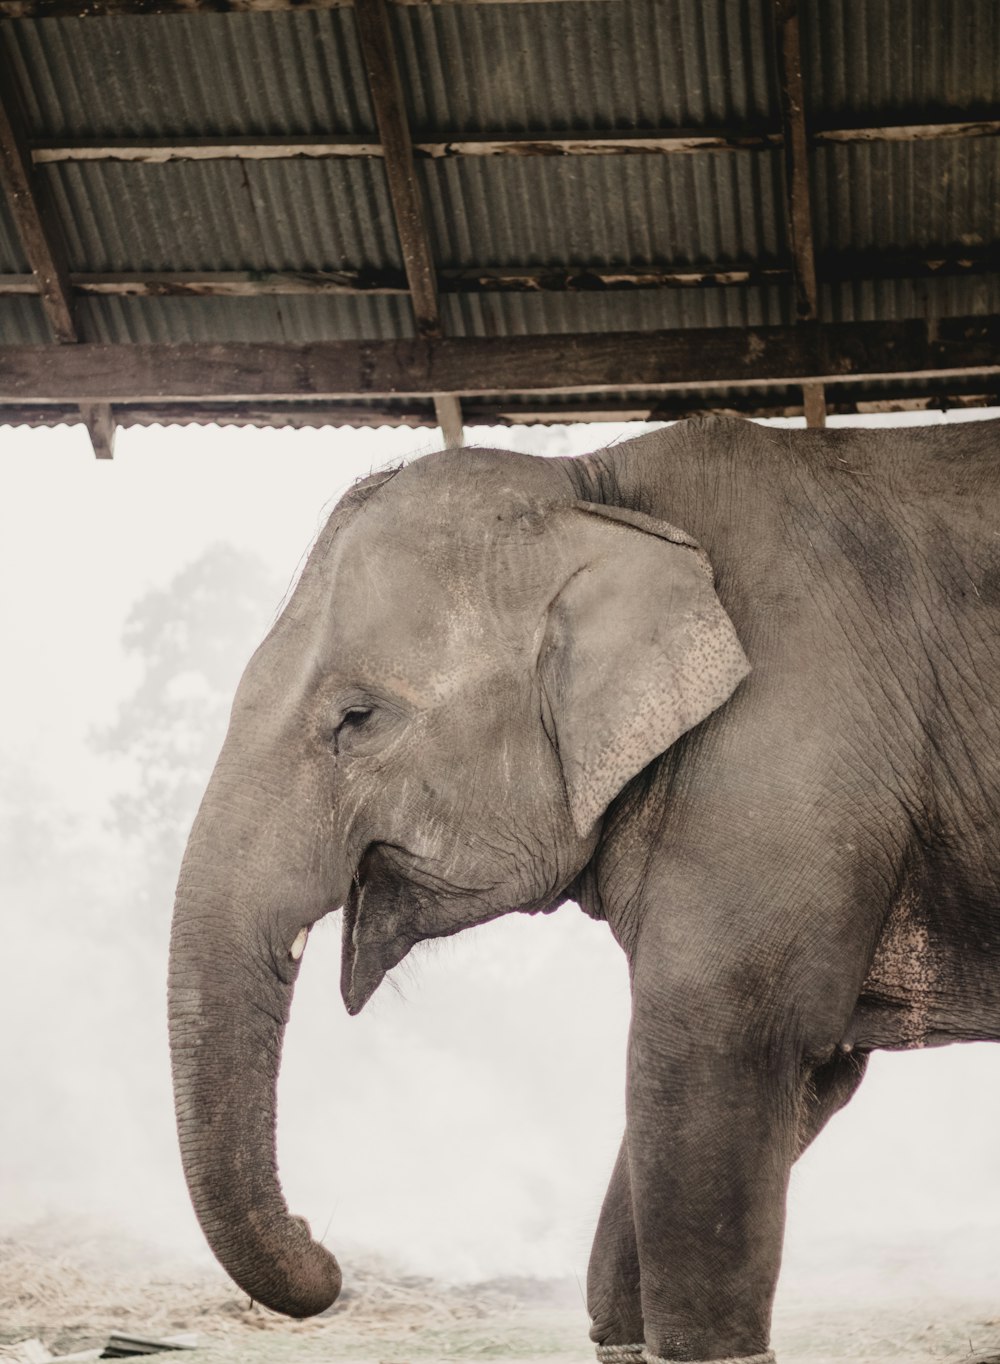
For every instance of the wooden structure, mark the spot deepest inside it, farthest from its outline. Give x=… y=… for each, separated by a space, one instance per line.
x=445 y=211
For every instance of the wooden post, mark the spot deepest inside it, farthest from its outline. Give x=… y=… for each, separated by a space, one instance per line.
x=797 y=194
x=44 y=251
x=386 y=89
x=99 y=421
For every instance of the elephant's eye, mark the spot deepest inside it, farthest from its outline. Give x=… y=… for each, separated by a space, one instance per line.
x=351 y=722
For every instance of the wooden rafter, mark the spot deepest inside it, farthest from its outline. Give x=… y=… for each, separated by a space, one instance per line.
x=44 y=254
x=392 y=283
x=41 y=249
x=87 y=9
x=832 y=267
x=445 y=146
x=931 y=396
x=905 y=130
x=386 y=89
x=797 y=192
x=397 y=149
x=830 y=353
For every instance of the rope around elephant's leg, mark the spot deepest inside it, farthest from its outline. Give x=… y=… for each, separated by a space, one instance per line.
x=620 y=1354
x=638 y=1354
x=766 y=1358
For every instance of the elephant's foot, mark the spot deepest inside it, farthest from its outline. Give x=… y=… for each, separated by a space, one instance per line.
x=766 y=1358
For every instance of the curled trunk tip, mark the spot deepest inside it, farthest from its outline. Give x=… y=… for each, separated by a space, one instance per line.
x=302 y=1277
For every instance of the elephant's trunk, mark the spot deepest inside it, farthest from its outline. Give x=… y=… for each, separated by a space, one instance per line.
x=229 y=997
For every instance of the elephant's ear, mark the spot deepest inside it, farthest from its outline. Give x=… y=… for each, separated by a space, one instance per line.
x=637 y=649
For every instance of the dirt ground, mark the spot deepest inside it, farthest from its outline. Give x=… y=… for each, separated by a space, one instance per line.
x=70 y=1292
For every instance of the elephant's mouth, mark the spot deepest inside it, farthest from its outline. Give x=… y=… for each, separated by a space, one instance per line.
x=374 y=934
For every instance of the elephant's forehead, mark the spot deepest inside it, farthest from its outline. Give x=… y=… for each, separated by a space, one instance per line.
x=397 y=608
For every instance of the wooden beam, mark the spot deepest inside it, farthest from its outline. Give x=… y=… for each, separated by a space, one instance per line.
x=159 y=151
x=41 y=248
x=755 y=405
x=88 y=9
x=388 y=101
x=386 y=89
x=100 y=423
x=485 y=412
x=814 y=404
x=797 y=193
x=832 y=267
x=911 y=132
x=448 y=411
x=831 y=353
x=352 y=283
x=627 y=142
x=445 y=146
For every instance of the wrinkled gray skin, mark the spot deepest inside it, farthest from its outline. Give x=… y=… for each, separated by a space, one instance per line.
x=503 y=682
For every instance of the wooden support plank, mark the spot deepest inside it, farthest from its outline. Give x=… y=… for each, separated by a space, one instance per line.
x=351 y=283
x=448 y=411
x=100 y=423
x=485 y=412
x=759 y=404
x=673 y=141
x=386 y=90
x=88 y=9
x=234 y=283
x=797 y=193
x=910 y=132
x=832 y=267
x=831 y=353
x=43 y=247
x=159 y=151
x=814 y=404
x=445 y=146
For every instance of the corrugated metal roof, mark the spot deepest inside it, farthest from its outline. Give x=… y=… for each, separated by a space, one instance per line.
x=872 y=300
x=605 y=209
x=224 y=215
x=243 y=319
x=22 y=323
x=12 y=257
x=578 y=66
x=632 y=64
x=906 y=194
x=181 y=75
x=534 y=314
x=898 y=55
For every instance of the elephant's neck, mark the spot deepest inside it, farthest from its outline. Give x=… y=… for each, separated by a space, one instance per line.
x=679 y=474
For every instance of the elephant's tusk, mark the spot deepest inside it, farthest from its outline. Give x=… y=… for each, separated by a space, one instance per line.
x=299 y=945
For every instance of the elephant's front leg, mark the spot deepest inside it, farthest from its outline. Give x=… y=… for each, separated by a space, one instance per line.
x=613 y=1296
x=713 y=1128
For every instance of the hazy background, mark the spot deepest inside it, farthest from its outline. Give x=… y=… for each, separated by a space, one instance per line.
x=465 y=1124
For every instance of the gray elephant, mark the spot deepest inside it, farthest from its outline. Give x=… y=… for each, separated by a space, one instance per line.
x=764 y=748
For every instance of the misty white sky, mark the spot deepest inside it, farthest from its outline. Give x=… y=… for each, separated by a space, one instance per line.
x=465 y=1124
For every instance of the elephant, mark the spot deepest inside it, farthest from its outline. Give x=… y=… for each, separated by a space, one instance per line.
x=735 y=691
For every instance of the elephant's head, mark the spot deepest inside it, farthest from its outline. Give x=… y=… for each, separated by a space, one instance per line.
x=472 y=666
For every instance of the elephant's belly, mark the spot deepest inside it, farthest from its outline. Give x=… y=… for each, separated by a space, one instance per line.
x=920 y=992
